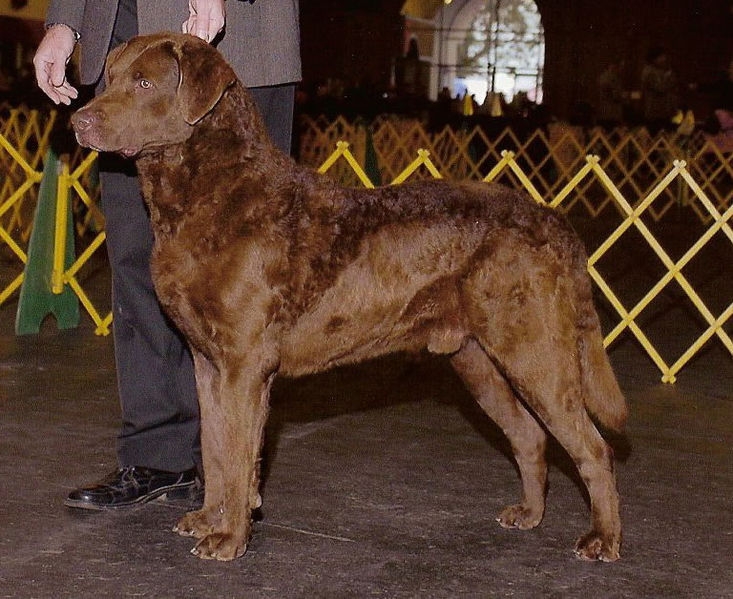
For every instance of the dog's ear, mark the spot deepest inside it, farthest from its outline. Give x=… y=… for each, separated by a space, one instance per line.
x=203 y=78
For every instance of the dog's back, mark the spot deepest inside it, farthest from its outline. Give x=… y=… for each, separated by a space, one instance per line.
x=404 y=265
x=397 y=261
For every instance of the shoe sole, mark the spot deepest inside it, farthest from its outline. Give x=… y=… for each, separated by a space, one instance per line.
x=172 y=490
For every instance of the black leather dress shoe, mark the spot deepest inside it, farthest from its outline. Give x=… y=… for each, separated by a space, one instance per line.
x=132 y=485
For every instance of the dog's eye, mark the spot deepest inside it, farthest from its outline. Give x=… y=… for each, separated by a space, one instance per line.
x=145 y=84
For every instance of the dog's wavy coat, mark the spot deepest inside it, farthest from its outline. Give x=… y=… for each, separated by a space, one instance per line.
x=268 y=268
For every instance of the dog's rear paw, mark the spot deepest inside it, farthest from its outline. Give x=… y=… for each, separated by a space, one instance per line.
x=519 y=516
x=220 y=546
x=194 y=524
x=594 y=546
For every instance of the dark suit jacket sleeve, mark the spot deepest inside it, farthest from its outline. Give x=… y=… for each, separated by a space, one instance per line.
x=68 y=12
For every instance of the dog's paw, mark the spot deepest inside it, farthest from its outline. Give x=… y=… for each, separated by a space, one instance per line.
x=220 y=546
x=519 y=516
x=194 y=524
x=594 y=546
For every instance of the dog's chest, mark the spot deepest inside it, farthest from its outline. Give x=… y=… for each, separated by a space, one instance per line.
x=184 y=286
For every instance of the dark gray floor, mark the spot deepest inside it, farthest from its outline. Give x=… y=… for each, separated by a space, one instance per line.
x=381 y=481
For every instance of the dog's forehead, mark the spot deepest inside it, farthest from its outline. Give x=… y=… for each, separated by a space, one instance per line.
x=143 y=58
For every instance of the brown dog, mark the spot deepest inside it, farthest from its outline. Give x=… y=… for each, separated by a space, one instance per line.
x=269 y=268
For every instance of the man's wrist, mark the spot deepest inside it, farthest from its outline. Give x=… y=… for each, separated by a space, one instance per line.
x=76 y=34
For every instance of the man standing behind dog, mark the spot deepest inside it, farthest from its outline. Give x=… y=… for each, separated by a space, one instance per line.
x=158 y=446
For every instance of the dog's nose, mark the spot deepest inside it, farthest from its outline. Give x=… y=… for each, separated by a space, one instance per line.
x=83 y=119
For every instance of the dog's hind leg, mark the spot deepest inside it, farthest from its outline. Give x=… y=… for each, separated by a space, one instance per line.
x=527 y=438
x=547 y=375
x=565 y=416
x=521 y=305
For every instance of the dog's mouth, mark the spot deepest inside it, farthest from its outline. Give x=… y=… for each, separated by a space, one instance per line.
x=97 y=146
x=90 y=133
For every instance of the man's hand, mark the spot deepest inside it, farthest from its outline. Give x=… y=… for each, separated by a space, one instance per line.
x=206 y=18
x=50 y=62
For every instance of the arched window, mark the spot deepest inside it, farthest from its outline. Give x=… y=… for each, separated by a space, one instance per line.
x=503 y=50
x=480 y=45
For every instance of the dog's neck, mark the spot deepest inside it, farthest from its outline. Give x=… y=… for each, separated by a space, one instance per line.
x=236 y=115
x=230 y=139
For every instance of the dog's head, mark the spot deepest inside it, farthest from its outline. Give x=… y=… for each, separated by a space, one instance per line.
x=157 y=88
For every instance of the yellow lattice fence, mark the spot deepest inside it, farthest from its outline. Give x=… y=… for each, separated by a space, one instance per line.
x=676 y=180
x=628 y=175
x=633 y=159
x=69 y=183
x=25 y=137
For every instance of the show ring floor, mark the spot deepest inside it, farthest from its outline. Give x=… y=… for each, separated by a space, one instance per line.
x=381 y=480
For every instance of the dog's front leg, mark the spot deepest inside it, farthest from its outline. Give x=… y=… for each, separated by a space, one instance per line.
x=205 y=521
x=231 y=443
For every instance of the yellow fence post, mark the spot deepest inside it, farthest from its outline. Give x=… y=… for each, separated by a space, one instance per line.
x=68 y=182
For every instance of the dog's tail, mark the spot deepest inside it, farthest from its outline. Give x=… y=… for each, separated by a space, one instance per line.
x=601 y=393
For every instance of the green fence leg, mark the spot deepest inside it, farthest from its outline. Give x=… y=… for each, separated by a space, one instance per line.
x=37 y=300
x=371 y=162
